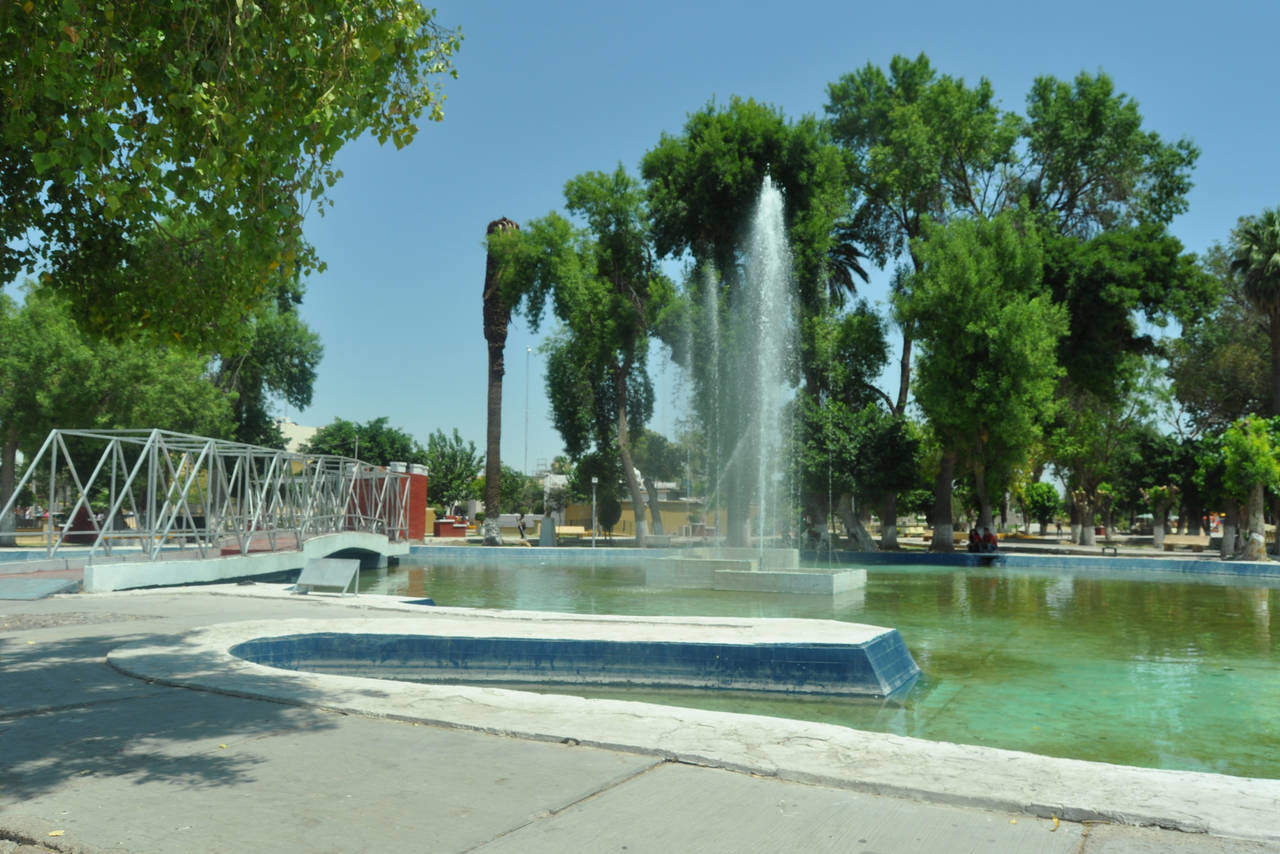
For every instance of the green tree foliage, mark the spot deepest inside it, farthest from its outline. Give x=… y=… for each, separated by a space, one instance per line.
x=1251 y=457
x=657 y=458
x=123 y=125
x=52 y=376
x=1090 y=165
x=1106 y=283
x=704 y=183
x=373 y=442
x=1040 y=501
x=452 y=464
x=1256 y=259
x=987 y=369
x=1219 y=364
x=277 y=362
x=922 y=146
x=516 y=492
x=607 y=292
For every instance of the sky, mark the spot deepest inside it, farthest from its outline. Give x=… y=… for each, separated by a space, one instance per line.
x=550 y=90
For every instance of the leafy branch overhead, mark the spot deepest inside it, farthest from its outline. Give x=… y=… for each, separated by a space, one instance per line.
x=121 y=118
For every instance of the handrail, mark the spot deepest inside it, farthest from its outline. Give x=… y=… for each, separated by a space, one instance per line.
x=203 y=493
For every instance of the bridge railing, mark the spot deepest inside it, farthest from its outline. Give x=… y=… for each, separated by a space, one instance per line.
x=158 y=491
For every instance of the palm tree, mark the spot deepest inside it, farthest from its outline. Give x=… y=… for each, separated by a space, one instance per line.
x=497 y=316
x=1256 y=257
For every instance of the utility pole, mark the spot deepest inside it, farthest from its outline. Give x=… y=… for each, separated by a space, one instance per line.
x=527 y=352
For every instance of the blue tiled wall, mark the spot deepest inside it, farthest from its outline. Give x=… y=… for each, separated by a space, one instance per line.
x=880 y=668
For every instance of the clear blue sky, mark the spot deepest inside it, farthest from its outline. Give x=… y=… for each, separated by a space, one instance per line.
x=549 y=90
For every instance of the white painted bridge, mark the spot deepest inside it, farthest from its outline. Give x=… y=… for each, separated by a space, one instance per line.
x=137 y=508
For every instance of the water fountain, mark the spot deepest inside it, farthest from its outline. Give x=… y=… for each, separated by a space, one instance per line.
x=747 y=338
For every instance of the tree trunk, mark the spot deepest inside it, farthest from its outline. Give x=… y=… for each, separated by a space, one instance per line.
x=1074 y=520
x=1088 y=536
x=904 y=376
x=985 y=520
x=889 y=523
x=859 y=539
x=1158 y=514
x=1275 y=517
x=8 y=479
x=1274 y=317
x=624 y=450
x=497 y=316
x=943 y=529
x=1255 y=545
x=655 y=511
x=1228 y=548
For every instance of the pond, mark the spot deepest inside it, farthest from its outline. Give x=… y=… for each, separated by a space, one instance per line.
x=1155 y=670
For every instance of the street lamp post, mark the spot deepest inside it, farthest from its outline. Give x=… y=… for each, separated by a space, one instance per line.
x=527 y=352
x=594 y=481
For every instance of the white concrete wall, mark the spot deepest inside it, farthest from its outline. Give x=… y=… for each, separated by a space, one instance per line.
x=102 y=578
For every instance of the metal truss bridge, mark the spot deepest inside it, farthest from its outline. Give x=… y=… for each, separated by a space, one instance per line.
x=158 y=491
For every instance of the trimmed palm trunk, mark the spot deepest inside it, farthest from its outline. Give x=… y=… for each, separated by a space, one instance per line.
x=497 y=317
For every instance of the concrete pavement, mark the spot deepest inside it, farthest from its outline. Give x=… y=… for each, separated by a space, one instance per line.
x=94 y=760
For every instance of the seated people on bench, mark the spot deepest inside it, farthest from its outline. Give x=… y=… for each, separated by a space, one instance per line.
x=989 y=542
x=975 y=541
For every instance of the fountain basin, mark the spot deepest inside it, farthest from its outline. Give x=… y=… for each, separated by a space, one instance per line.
x=742 y=570
x=818 y=657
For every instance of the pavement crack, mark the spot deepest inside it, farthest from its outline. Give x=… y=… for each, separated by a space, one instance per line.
x=555 y=811
x=19 y=714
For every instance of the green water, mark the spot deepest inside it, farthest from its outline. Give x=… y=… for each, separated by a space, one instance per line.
x=1162 y=672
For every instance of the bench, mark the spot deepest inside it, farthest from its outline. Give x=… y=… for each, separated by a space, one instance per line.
x=329 y=572
x=1196 y=544
x=571 y=531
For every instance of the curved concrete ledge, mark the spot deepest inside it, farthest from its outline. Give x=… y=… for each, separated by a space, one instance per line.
x=792 y=750
x=126 y=575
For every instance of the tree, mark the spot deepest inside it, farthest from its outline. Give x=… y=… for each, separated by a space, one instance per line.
x=1219 y=364
x=120 y=118
x=51 y=376
x=703 y=188
x=1252 y=460
x=1040 y=501
x=497 y=317
x=278 y=362
x=1106 y=282
x=1256 y=259
x=703 y=185
x=452 y=464
x=607 y=293
x=373 y=442
x=987 y=367
x=1091 y=167
x=922 y=146
x=657 y=458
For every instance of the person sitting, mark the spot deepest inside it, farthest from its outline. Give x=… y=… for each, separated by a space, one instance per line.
x=989 y=541
x=975 y=542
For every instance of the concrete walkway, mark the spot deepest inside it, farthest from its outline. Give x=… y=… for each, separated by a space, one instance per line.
x=92 y=760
